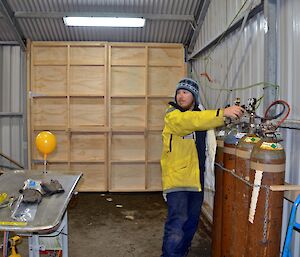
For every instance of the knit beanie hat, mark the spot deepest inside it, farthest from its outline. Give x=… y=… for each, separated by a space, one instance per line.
x=191 y=86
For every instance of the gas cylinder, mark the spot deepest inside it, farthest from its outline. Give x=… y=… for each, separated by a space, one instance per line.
x=229 y=156
x=241 y=193
x=267 y=167
x=217 y=211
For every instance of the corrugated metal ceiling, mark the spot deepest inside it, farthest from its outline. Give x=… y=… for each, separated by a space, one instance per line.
x=41 y=20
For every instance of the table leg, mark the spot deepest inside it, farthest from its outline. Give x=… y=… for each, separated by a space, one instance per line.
x=61 y=232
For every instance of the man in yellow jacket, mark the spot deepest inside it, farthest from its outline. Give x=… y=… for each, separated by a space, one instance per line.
x=183 y=164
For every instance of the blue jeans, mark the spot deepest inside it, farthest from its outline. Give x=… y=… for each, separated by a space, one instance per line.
x=184 y=209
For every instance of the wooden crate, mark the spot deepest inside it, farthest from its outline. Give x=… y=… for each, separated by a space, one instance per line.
x=105 y=103
x=45 y=54
x=87 y=112
x=128 y=81
x=88 y=147
x=124 y=54
x=154 y=146
x=165 y=56
x=94 y=177
x=127 y=147
x=127 y=177
x=52 y=166
x=156 y=112
x=162 y=81
x=49 y=112
x=128 y=112
x=88 y=55
x=87 y=81
x=49 y=80
x=154 y=182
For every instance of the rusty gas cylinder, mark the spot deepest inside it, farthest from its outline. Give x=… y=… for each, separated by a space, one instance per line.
x=241 y=195
x=267 y=167
x=229 y=156
x=217 y=211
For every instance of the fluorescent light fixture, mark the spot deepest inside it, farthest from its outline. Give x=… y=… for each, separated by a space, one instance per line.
x=104 y=21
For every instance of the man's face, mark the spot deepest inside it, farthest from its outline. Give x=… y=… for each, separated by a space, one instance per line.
x=185 y=99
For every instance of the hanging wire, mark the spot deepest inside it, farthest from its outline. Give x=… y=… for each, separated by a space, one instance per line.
x=262 y=83
x=223 y=34
x=234 y=52
x=207 y=59
x=258 y=102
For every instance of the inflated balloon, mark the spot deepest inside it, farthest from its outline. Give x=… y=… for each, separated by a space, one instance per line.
x=45 y=142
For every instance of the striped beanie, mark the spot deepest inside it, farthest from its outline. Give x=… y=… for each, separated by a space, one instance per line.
x=191 y=86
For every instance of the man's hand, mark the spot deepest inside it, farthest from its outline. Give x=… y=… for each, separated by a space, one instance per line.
x=233 y=112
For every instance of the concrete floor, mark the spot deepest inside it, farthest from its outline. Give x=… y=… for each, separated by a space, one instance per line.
x=98 y=228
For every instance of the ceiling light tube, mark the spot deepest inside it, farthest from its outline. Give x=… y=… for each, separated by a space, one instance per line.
x=104 y=21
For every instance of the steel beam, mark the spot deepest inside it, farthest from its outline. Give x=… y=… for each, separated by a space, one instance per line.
x=56 y=15
x=11 y=114
x=11 y=20
x=235 y=26
x=200 y=21
x=291 y=124
x=9 y=43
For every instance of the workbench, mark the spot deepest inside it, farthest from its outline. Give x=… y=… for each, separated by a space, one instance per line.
x=51 y=217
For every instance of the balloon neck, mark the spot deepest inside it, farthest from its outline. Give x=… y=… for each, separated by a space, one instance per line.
x=45 y=157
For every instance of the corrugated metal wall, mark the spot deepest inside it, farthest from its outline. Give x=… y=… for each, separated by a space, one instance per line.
x=218 y=17
x=288 y=78
x=248 y=68
x=245 y=69
x=12 y=96
x=247 y=65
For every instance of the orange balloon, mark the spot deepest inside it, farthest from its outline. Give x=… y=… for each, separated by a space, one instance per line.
x=45 y=142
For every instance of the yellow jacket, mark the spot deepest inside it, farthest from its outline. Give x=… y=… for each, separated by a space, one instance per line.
x=179 y=161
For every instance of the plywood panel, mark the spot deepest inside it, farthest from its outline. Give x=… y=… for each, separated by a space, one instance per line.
x=165 y=56
x=88 y=147
x=94 y=177
x=85 y=55
x=127 y=177
x=49 y=80
x=156 y=112
x=154 y=176
x=154 y=146
x=56 y=167
x=93 y=108
x=163 y=80
x=128 y=147
x=87 y=80
x=128 y=112
x=61 y=151
x=127 y=81
x=51 y=55
x=87 y=111
x=49 y=111
x=128 y=55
